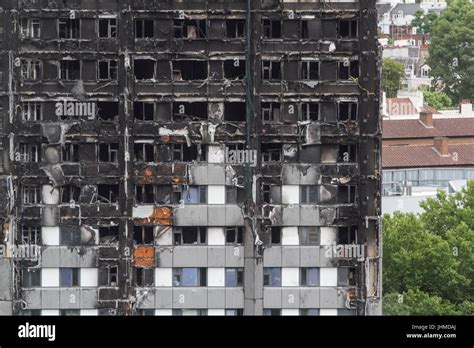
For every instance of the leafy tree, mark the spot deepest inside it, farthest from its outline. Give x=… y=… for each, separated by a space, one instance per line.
x=428 y=264
x=393 y=73
x=423 y=22
x=452 y=48
x=438 y=100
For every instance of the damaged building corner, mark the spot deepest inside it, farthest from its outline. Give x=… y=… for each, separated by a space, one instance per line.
x=181 y=160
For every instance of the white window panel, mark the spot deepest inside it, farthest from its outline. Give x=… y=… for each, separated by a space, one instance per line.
x=164 y=311
x=89 y=277
x=50 y=277
x=47 y=312
x=328 y=276
x=164 y=235
x=215 y=276
x=290 y=194
x=163 y=276
x=290 y=276
x=290 y=311
x=215 y=154
x=215 y=236
x=50 y=235
x=216 y=194
x=89 y=312
x=327 y=311
x=215 y=312
x=328 y=235
x=289 y=236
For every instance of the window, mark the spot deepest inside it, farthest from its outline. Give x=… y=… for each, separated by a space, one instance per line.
x=190 y=111
x=189 y=28
x=234 y=277
x=347 y=235
x=347 y=153
x=144 y=29
x=347 y=194
x=270 y=112
x=70 y=153
x=346 y=276
x=30 y=28
x=31 y=111
x=309 y=235
x=271 y=311
x=31 y=194
x=271 y=194
x=234 y=69
x=271 y=28
x=186 y=70
x=348 y=70
x=30 y=235
x=192 y=312
x=309 y=311
x=108 y=193
x=108 y=28
x=309 y=70
x=309 y=194
x=234 y=235
x=180 y=153
x=107 y=111
x=107 y=69
x=271 y=152
x=311 y=29
x=143 y=234
x=108 y=234
x=309 y=276
x=145 y=194
x=70 y=193
x=271 y=276
x=30 y=312
x=143 y=111
x=109 y=276
x=69 y=28
x=234 y=312
x=146 y=312
x=69 y=236
x=190 y=194
x=234 y=195
x=271 y=70
x=70 y=312
x=235 y=28
x=189 y=235
x=347 y=28
x=30 y=70
x=309 y=111
x=275 y=235
x=144 y=69
x=30 y=153
x=347 y=111
x=144 y=276
x=69 y=70
x=108 y=152
x=189 y=277
x=235 y=112
x=31 y=278
x=69 y=277
x=144 y=152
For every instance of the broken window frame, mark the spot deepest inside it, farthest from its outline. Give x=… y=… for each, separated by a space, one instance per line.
x=270 y=28
x=272 y=276
x=238 y=235
x=111 y=197
x=30 y=152
x=144 y=193
x=347 y=234
x=111 y=69
x=143 y=235
x=352 y=111
x=112 y=28
x=275 y=235
x=31 y=278
x=271 y=312
x=189 y=312
x=69 y=277
x=184 y=277
x=142 y=109
x=238 y=31
x=310 y=70
x=346 y=68
x=30 y=69
x=309 y=312
x=351 y=194
x=70 y=192
x=31 y=111
x=308 y=112
x=30 y=28
x=67 y=71
x=70 y=152
x=69 y=312
x=352 y=32
x=181 y=28
x=135 y=67
x=143 y=277
x=112 y=231
x=271 y=194
x=180 y=190
x=270 y=72
x=200 y=234
x=310 y=276
x=272 y=155
x=309 y=194
x=142 y=22
x=233 y=195
x=69 y=237
x=112 y=275
x=309 y=235
x=31 y=194
x=234 y=277
x=347 y=151
x=271 y=112
x=69 y=29
x=144 y=148
x=111 y=149
x=30 y=235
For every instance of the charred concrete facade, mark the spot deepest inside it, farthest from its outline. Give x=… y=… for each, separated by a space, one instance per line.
x=189 y=157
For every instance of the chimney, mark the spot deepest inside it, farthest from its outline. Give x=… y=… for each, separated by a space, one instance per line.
x=441 y=145
x=426 y=118
x=466 y=107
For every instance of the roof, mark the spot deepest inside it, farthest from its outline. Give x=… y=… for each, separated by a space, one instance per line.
x=410 y=156
x=447 y=127
x=407 y=9
x=383 y=8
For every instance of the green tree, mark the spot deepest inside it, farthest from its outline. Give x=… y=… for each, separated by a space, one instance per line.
x=452 y=48
x=393 y=73
x=428 y=264
x=423 y=22
x=438 y=100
